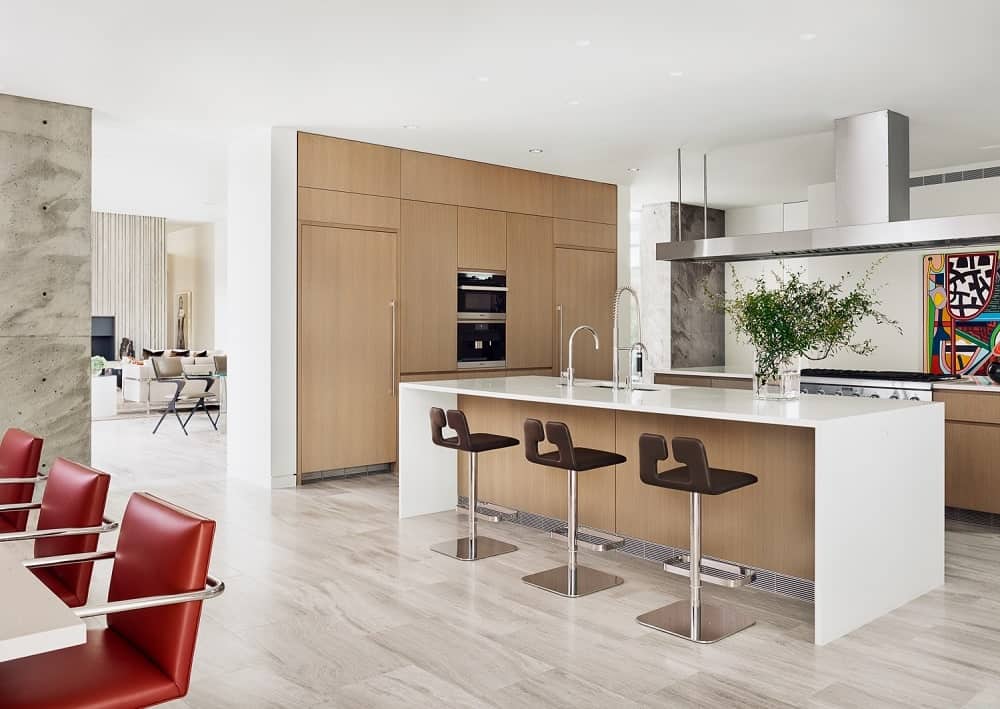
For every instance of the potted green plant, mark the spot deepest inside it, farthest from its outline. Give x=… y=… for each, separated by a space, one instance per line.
x=797 y=318
x=97 y=365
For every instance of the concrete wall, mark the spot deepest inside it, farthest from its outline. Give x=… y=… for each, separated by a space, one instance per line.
x=191 y=267
x=45 y=275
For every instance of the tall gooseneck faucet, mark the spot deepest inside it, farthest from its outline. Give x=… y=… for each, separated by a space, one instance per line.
x=617 y=349
x=570 y=376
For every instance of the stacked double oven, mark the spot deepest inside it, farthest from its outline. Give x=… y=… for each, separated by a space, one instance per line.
x=482 y=320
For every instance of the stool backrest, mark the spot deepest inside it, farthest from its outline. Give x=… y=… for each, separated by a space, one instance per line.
x=74 y=496
x=558 y=435
x=691 y=452
x=652 y=449
x=533 y=435
x=162 y=550
x=438 y=422
x=460 y=425
x=20 y=453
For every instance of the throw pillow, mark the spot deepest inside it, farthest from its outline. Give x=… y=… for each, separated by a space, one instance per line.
x=147 y=354
x=180 y=353
x=202 y=353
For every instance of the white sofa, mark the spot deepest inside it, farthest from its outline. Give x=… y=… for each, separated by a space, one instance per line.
x=139 y=380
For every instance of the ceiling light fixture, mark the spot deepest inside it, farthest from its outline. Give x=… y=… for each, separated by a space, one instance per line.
x=574 y=102
x=482 y=79
x=410 y=126
x=583 y=43
x=535 y=150
x=633 y=169
x=676 y=73
x=807 y=36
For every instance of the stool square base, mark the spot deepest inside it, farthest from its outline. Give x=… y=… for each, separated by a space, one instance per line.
x=481 y=548
x=573 y=583
x=717 y=622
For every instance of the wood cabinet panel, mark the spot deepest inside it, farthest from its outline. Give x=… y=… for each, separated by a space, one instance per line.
x=427 y=308
x=584 y=200
x=682 y=380
x=974 y=406
x=348 y=166
x=770 y=524
x=972 y=465
x=347 y=279
x=589 y=235
x=585 y=283
x=507 y=478
x=482 y=239
x=348 y=209
x=727 y=383
x=529 y=299
x=437 y=178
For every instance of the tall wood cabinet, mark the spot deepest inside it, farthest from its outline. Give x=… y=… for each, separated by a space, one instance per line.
x=346 y=369
x=428 y=300
x=585 y=283
x=529 y=297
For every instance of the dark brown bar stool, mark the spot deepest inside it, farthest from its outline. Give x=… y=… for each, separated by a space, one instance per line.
x=690 y=619
x=472 y=547
x=570 y=580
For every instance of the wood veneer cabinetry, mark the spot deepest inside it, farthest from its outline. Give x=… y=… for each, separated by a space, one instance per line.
x=584 y=200
x=529 y=299
x=584 y=287
x=482 y=239
x=972 y=449
x=428 y=304
x=347 y=284
x=331 y=207
x=348 y=166
x=587 y=235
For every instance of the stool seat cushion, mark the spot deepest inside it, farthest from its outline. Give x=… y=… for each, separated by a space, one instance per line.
x=586 y=459
x=722 y=481
x=479 y=442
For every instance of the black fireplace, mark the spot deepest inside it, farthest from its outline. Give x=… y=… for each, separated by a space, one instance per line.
x=102 y=337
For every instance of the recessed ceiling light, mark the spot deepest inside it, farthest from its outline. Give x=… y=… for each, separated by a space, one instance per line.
x=583 y=43
x=807 y=36
x=574 y=102
x=992 y=146
x=535 y=150
x=410 y=126
x=633 y=169
x=482 y=79
x=677 y=73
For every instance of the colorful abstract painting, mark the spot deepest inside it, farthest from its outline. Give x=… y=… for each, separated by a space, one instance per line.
x=961 y=312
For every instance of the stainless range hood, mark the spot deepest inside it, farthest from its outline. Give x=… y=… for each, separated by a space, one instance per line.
x=872 y=206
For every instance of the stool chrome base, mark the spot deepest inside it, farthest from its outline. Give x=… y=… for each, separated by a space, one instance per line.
x=480 y=548
x=573 y=582
x=717 y=622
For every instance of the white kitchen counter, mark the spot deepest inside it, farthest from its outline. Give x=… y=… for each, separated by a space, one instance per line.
x=810 y=410
x=969 y=384
x=715 y=372
x=878 y=474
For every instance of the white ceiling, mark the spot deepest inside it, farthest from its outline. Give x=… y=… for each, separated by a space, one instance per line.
x=364 y=69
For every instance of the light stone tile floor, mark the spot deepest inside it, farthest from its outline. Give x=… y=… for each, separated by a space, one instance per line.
x=332 y=601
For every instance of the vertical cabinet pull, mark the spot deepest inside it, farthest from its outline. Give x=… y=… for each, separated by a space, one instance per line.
x=392 y=359
x=559 y=309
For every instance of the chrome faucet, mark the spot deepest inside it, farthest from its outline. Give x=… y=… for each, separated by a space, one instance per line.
x=617 y=349
x=597 y=345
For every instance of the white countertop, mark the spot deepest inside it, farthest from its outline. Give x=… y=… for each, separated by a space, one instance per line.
x=720 y=371
x=969 y=384
x=809 y=411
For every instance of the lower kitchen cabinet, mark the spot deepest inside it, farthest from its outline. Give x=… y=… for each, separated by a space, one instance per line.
x=972 y=449
x=346 y=366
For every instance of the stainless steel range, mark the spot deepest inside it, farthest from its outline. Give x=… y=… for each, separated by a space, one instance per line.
x=914 y=386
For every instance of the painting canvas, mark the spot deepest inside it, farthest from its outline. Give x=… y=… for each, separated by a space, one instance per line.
x=961 y=312
x=182 y=320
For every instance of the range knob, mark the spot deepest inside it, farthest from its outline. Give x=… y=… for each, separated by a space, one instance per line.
x=894 y=396
x=914 y=398
x=838 y=393
x=874 y=396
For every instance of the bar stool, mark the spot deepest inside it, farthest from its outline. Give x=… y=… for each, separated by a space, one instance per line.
x=570 y=580
x=472 y=547
x=691 y=619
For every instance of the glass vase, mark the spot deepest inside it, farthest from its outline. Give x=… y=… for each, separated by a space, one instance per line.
x=782 y=387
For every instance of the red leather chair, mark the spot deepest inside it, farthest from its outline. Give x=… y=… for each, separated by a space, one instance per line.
x=144 y=655
x=19 y=456
x=70 y=518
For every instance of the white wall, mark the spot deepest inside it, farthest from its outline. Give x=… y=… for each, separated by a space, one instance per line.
x=191 y=267
x=899 y=275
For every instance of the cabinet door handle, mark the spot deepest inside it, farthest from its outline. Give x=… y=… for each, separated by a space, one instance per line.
x=392 y=360
x=559 y=309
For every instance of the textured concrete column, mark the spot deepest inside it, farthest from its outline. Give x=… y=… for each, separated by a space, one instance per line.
x=45 y=273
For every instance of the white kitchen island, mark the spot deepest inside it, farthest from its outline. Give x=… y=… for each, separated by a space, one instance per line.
x=851 y=492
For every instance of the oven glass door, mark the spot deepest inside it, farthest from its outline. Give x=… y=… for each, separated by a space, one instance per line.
x=482 y=344
x=478 y=303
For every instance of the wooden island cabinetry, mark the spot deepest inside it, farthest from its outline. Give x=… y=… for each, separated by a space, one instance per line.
x=972 y=449
x=444 y=214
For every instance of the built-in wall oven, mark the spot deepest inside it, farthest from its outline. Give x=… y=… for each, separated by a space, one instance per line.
x=482 y=315
x=482 y=296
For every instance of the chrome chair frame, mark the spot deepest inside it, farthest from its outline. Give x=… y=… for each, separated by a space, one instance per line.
x=107 y=525
x=213 y=587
